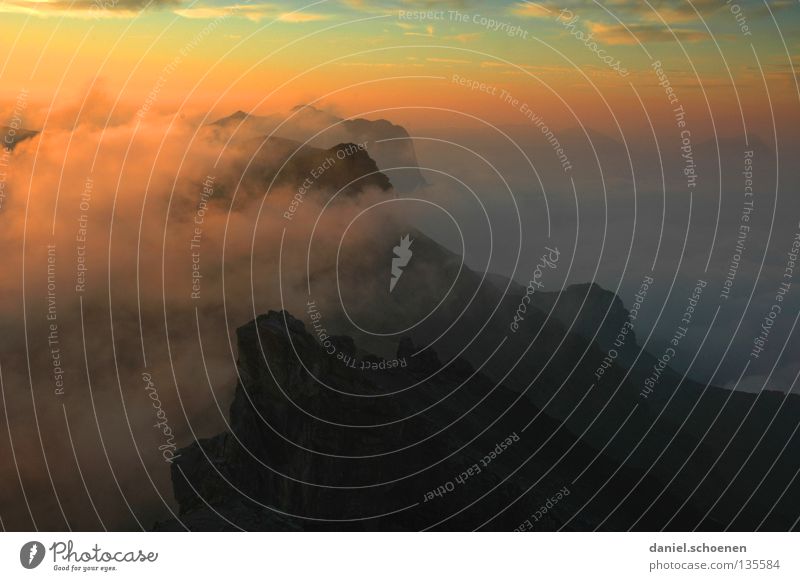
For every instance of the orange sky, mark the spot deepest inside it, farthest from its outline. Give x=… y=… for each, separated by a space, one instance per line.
x=218 y=58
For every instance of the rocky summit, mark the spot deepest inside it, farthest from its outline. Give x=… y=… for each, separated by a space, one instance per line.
x=337 y=438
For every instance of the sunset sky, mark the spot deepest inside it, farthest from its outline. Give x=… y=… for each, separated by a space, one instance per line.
x=639 y=138
x=355 y=56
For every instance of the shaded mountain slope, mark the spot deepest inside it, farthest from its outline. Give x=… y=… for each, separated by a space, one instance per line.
x=683 y=433
x=687 y=456
x=388 y=144
x=236 y=474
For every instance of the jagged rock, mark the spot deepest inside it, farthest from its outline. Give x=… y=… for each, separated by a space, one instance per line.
x=388 y=144
x=304 y=453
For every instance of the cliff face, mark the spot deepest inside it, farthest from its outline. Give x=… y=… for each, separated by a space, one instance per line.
x=282 y=165
x=691 y=435
x=392 y=148
x=488 y=429
x=345 y=167
x=388 y=144
x=325 y=435
x=317 y=442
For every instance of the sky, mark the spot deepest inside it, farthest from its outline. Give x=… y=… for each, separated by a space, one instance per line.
x=572 y=59
x=121 y=88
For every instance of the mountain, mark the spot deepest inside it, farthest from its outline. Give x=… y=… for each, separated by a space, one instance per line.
x=326 y=445
x=251 y=166
x=10 y=136
x=613 y=442
x=343 y=167
x=388 y=144
x=712 y=445
x=317 y=444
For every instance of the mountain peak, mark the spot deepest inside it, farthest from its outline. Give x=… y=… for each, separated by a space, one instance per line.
x=238 y=116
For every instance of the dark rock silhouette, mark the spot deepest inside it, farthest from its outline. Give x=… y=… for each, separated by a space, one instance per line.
x=10 y=137
x=305 y=455
x=302 y=455
x=354 y=440
x=388 y=144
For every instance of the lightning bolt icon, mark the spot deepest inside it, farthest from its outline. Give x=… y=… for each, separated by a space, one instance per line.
x=402 y=255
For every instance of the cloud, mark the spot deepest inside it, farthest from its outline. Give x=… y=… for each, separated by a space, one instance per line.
x=138 y=218
x=104 y=9
x=535 y=9
x=83 y=9
x=254 y=12
x=635 y=13
x=378 y=65
x=429 y=32
x=617 y=34
x=670 y=11
x=300 y=17
x=205 y=12
x=538 y=69
x=373 y=5
x=465 y=37
x=447 y=61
